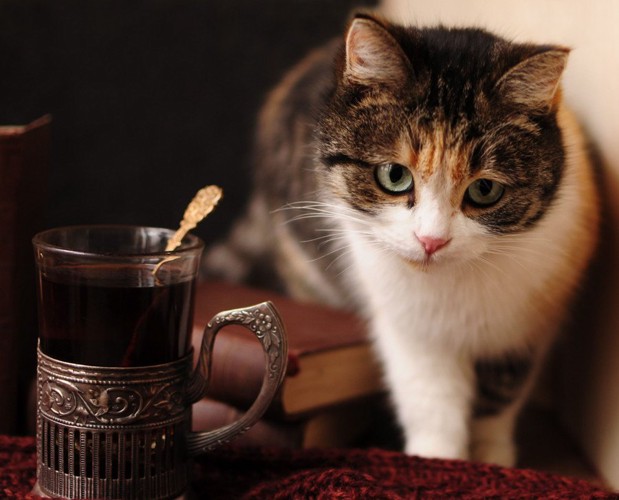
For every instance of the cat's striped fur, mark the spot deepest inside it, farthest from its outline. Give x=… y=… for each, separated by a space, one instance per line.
x=434 y=180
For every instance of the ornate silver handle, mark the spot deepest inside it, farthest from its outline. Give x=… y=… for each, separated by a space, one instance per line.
x=264 y=322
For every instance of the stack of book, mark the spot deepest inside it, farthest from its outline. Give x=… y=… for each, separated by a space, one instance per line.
x=332 y=379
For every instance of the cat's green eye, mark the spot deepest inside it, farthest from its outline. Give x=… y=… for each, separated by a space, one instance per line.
x=484 y=192
x=394 y=178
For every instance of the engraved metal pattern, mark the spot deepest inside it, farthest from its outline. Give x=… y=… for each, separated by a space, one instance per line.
x=262 y=322
x=99 y=396
x=112 y=432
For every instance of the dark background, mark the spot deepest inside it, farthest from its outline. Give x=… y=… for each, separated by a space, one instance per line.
x=151 y=100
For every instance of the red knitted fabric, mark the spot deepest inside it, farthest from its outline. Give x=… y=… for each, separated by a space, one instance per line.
x=232 y=473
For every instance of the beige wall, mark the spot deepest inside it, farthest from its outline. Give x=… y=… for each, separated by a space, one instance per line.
x=590 y=395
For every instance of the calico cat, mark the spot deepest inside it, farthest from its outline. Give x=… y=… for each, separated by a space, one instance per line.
x=434 y=180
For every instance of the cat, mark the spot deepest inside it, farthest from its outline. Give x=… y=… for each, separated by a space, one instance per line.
x=433 y=180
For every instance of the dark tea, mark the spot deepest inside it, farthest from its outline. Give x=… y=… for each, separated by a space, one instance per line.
x=135 y=319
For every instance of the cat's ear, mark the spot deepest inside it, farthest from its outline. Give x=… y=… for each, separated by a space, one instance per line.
x=534 y=82
x=373 y=56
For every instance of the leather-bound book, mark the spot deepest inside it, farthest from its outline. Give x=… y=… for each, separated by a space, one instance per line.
x=24 y=156
x=330 y=360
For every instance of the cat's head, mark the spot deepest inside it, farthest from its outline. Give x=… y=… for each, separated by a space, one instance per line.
x=442 y=139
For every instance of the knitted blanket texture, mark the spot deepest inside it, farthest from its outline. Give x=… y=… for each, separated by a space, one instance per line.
x=231 y=473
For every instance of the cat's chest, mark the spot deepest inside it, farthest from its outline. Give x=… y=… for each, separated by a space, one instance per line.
x=478 y=309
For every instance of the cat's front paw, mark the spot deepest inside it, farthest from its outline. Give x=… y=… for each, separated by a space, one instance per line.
x=432 y=446
x=498 y=452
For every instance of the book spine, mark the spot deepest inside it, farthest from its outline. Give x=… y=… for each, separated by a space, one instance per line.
x=24 y=154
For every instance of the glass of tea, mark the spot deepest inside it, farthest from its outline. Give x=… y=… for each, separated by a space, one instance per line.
x=115 y=378
x=110 y=295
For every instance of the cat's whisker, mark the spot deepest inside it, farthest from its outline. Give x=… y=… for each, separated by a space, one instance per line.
x=534 y=253
x=344 y=236
x=524 y=265
x=325 y=232
x=331 y=216
x=322 y=211
x=489 y=263
x=340 y=257
x=327 y=254
x=377 y=245
x=522 y=248
x=524 y=241
x=488 y=281
x=312 y=203
x=324 y=240
x=513 y=254
x=334 y=230
x=332 y=241
x=331 y=208
x=319 y=215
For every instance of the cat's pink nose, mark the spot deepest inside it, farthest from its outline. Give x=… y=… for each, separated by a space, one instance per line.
x=431 y=245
